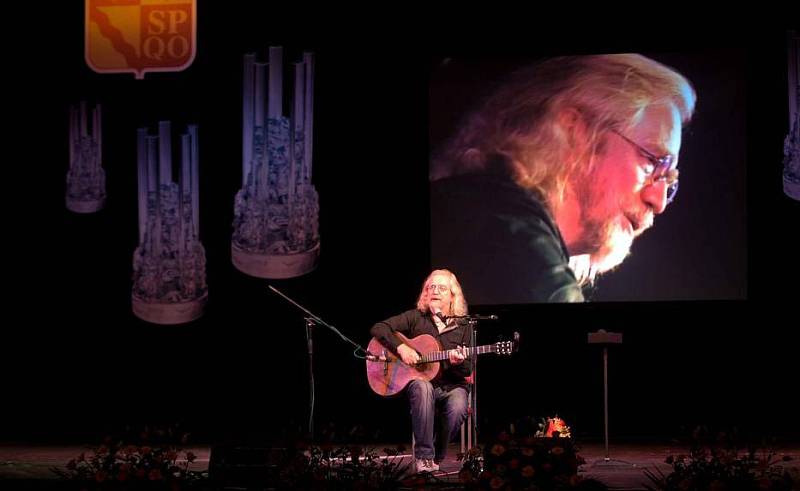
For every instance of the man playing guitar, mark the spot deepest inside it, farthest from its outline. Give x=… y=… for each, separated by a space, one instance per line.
x=441 y=298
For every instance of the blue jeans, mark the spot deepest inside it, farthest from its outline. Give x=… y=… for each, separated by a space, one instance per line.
x=424 y=399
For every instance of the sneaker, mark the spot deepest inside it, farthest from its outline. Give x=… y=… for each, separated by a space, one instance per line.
x=426 y=465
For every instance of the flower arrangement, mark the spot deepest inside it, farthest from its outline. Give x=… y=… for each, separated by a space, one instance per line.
x=329 y=467
x=718 y=465
x=523 y=457
x=553 y=428
x=116 y=465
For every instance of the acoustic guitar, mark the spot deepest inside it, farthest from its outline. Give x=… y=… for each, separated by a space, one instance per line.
x=388 y=374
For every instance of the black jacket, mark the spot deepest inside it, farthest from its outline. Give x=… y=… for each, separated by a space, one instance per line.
x=500 y=240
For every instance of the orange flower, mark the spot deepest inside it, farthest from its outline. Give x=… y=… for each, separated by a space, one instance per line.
x=528 y=471
x=498 y=449
x=716 y=485
x=496 y=482
x=557 y=450
x=764 y=483
x=527 y=452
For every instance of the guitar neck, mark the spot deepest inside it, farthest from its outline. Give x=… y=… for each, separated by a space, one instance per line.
x=444 y=355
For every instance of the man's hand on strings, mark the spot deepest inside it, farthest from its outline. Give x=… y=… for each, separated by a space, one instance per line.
x=407 y=354
x=457 y=356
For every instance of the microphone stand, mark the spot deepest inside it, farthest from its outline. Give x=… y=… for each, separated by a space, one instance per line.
x=309 y=338
x=472 y=320
x=312 y=320
x=473 y=341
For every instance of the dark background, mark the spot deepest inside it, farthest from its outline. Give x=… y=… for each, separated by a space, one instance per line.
x=77 y=364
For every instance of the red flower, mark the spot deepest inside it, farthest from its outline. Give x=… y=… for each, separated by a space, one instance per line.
x=140 y=473
x=100 y=476
x=764 y=483
x=123 y=475
x=155 y=475
x=146 y=450
x=716 y=485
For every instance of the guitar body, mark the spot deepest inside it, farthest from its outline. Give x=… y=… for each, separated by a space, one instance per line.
x=390 y=375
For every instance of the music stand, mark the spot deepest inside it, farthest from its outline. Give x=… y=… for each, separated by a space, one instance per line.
x=605 y=339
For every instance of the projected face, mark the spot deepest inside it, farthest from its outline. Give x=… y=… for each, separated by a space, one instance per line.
x=438 y=291
x=618 y=200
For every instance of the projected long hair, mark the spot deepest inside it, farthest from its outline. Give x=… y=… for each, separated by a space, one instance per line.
x=518 y=123
x=458 y=304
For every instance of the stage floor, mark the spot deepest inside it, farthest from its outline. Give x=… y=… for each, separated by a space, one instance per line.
x=625 y=470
